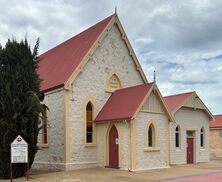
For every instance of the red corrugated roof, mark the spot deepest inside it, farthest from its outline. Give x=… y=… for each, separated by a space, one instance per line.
x=123 y=103
x=217 y=123
x=174 y=101
x=57 y=64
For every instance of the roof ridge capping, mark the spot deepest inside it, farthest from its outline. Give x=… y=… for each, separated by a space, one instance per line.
x=178 y=94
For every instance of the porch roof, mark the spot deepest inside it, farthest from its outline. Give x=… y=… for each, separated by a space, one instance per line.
x=123 y=104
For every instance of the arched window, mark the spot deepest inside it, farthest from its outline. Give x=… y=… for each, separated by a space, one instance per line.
x=113 y=83
x=202 y=137
x=151 y=136
x=177 y=136
x=89 y=124
x=44 y=128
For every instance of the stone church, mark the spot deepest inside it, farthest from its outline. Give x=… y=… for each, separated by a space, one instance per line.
x=104 y=112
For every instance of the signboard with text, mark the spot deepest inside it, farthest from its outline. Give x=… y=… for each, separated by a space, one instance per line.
x=19 y=150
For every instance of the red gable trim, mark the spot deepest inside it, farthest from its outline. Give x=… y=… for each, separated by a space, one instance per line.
x=174 y=101
x=217 y=123
x=57 y=64
x=123 y=103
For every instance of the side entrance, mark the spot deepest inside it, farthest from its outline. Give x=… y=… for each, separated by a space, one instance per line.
x=113 y=148
x=190 y=147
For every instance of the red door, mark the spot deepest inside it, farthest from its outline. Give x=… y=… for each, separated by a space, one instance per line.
x=189 y=150
x=113 y=148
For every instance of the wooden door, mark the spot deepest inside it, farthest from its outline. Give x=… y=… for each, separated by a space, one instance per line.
x=189 y=150
x=113 y=148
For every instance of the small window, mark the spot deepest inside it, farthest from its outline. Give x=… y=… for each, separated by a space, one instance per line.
x=177 y=136
x=44 y=128
x=202 y=137
x=89 y=124
x=151 y=136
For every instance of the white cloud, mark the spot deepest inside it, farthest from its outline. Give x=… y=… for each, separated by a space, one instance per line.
x=181 y=40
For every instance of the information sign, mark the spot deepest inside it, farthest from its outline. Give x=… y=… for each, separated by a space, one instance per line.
x=19 y=150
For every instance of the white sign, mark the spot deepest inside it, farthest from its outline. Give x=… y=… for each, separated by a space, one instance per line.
x=19 y=150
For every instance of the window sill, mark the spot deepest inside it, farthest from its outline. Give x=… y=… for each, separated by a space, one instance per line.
x=43 y=146
x=151 y=149
x=202 y=148
x=178 y=148
x=90 y=144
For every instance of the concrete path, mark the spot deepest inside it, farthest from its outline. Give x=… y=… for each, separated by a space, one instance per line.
x=205 y=172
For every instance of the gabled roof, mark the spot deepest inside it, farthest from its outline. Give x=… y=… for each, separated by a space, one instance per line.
x=175 y=101
x=123 y=103
x=59 y=66
x=217 y=123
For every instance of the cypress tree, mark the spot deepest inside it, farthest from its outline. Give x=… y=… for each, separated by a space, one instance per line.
x=20 y=102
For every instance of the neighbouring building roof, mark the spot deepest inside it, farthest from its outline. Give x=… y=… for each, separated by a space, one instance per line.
x=57 y=64
x=175 y=101
x=217 y=123
x=189 y=99
x=123 y=104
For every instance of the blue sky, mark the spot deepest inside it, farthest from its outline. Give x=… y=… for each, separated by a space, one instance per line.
x=181 y=40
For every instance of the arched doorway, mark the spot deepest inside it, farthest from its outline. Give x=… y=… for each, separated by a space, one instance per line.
x=113 y=148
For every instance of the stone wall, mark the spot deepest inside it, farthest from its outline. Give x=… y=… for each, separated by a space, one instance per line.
x=216 y=144
x=52 y=155
x=189 y=119
x=152 y=159
x=124 y=143
x=111 y=55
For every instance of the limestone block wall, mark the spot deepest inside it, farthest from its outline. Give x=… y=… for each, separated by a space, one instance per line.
x=152 y=159
x=189 y=119
x=111 y=55
x=123 y=129
x=216 y=143
x=52 y=155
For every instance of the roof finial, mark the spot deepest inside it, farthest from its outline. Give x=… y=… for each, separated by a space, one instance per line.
x=115 y=10
x=154 y=76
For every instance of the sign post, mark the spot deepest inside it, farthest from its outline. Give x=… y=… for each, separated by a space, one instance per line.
x=19 y=154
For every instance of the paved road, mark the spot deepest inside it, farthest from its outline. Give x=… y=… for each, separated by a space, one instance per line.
x=215 y=177
x=204 y=172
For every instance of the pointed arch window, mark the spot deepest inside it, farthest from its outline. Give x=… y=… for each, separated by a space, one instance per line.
x=114 y=83
x=151 y=136
x=89 y=123
x=177 y=136
x=202 y=133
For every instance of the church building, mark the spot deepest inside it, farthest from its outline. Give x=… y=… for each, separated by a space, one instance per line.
x=104 y=112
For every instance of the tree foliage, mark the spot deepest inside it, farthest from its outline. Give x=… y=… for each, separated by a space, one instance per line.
x=20 y=104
